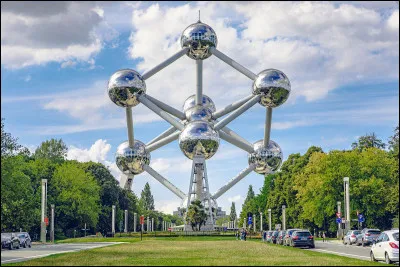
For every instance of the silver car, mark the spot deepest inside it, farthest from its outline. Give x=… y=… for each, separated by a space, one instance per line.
x=367 y=236
x=351 y=237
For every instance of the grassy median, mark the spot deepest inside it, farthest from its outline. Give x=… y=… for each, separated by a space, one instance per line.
x=193 y=251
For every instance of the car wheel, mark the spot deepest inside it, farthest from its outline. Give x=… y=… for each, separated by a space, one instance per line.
x=387 y=259
x=19 y=246
x=25 y=245
x=371 y=254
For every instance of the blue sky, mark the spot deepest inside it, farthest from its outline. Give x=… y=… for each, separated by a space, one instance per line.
x=341 y=59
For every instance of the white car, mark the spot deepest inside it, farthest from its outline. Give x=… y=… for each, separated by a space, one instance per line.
x=386 y=247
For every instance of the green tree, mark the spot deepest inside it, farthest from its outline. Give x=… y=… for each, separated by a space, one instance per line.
x=232 y=215
x=146 y=198
x=394 y=142
x=367 y=141
x=53 y=149
x=77 y=196
x=196 y=216
x=250 y=194
x=9 y=144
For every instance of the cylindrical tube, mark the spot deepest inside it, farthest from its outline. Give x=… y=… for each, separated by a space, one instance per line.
x=267 y=130
x=199 y=83
x=261 y=222
x=269 y=219
x=129 y=124
x=134 y=222
x=283 y=217
x=52 y=224
x=126 y=221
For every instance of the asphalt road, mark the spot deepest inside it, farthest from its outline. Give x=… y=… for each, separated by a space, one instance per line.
x=338 y=248
x=38 y=251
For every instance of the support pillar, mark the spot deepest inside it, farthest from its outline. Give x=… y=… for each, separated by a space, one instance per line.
x=269 y=219
x=113 y=220
x=261 y=222
x=134 y=222
x=44 y=211
x=126 y=221
x=52 y=224
x=283 y=217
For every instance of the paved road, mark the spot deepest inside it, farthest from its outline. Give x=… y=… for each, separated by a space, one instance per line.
x=38 y=251
x=337 y=248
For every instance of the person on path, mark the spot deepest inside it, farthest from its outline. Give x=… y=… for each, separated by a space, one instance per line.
x=323 y=237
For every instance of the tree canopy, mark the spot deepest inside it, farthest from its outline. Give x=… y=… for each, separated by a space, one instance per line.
x=146 y=198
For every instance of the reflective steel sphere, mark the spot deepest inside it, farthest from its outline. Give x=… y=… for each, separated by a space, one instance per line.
x=267 y=159
x=199 y=138
x=124 y=87
x=273 y=86
x=199 y=37
x=131 y=161
x=197 y=113
x=191 y=102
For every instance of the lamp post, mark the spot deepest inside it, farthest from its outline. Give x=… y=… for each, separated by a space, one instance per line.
x=346 y=181
x=261 y=222
x=113 y=220
x=269 y=218
x=283 y=217
x=340 y=216
x=44 y=213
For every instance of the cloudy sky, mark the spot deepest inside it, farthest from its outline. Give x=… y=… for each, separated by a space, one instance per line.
x=56 y=58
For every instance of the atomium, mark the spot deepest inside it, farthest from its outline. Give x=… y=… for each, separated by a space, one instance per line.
x=124 y=87
x=131 y=160
x=199 y=126
x=198 y=138
x=273 y=86
x=199 y=37
x=266 y=159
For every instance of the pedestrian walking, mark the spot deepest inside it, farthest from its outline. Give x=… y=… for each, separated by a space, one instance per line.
x=323 y=237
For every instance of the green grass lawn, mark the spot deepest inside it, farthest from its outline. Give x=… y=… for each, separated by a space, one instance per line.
x=193 y=251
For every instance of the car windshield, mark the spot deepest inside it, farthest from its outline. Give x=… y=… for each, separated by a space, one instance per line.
x=374 y=232
x=303 y=233
x=396 y=236
x=21 y=235
x=357 y=232
x=275 y=233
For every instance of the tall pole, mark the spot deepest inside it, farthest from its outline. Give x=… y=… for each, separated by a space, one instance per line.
x=148 y=224
x=269 y=219
x=255 y=219
x=126 y=221
x=283 y=217
x=52 y=224
x=134 y=222
x=113 y=220
x=339 y=224
x=261 y=222
x=152 y=224
x=199 y=82
x=44 y=205
x=346 y=181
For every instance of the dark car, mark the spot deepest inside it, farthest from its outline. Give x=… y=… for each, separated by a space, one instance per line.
x=281 y=236
x=367 y=236
x=302 y=239
x=289 y=232
x=10 y=241
x=25 y=240
x=274 y=237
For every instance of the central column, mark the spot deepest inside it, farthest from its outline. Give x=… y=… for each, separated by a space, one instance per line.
x=199 y=182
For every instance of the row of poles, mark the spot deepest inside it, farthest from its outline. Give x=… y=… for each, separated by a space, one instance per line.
x=149 y=222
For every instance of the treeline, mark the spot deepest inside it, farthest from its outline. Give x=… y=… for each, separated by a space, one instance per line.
x=311 y=184
x=81 y=192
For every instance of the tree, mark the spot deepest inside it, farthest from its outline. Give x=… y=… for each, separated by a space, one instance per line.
x=367 y=141
x=232 y=215
x=196 y=215
x=77 y=196
x=9 y=145
x=394 y=142
x=250 y=194
x=146 y=198
x=53 y=149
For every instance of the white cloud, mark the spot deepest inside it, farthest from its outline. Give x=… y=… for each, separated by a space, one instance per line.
x=28 y=78
x=41 y=32
x=68 y=64
x=319 y=45
x=235 y=198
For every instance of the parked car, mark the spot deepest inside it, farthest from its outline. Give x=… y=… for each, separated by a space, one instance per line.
x=367 y=236
x=269 y=235
x=351 y=237
x=25 y=239
x=302 y=238
x=289 y=232
x=274 y=237
x=386 y=247
x=10 y=241
x=281 y=235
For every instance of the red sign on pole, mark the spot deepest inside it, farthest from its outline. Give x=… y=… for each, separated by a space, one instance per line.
x=46 y=220
x=142 y=219
x=338 y=214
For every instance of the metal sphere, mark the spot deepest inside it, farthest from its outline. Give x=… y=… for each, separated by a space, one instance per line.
x=273 y=86
x=199 y=37
x=131 y=161
x=197 y=113
x=191 y=102
x=199 y=138
x=124 y=87
x=267 y=159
